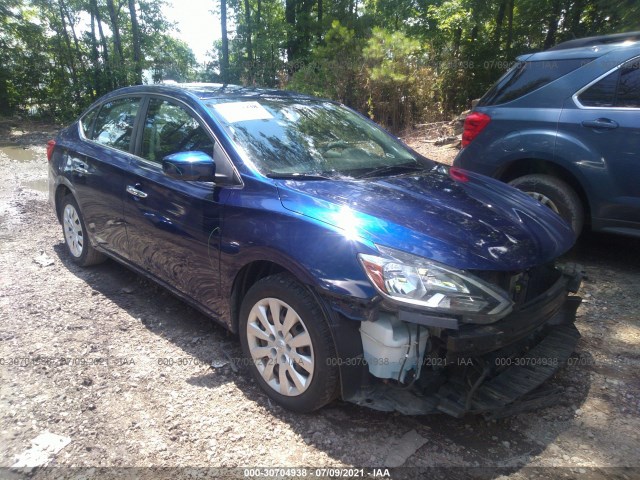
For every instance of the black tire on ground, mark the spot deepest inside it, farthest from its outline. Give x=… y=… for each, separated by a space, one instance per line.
x=322 y=385
x=566 y=201
x=78 y=246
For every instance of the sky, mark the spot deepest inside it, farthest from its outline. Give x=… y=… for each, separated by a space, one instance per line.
x=198 y=26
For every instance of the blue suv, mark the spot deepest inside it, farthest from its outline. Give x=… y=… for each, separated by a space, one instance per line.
x=348 y=264
x=564 y=126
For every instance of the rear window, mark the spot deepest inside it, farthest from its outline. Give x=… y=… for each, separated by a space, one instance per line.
x=526 y=77
x=87 y=122
x=114 y=124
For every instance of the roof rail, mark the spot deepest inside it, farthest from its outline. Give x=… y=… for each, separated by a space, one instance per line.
x=599 y=40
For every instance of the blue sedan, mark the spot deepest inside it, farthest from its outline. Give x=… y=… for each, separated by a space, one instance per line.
x=348 y=264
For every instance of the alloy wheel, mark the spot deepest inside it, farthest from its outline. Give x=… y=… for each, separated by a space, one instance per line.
x=73 y=233
x=544 y=200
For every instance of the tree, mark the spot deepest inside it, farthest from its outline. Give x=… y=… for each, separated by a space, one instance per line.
x=117 y=42
x=400 y=61
x=298 y=15
x=396 y=81
x=249 y=44
x=224 y=63
x=137 y=52
x=552 y=28
x=172 y=59
x=335 y=68
x=7 y=38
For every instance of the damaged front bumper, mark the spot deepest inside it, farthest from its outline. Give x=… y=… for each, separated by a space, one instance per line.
x=496 y=369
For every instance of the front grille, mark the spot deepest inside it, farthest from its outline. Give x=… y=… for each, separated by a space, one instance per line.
x=522 y=286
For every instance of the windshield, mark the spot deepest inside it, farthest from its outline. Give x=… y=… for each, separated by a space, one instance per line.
x=290 y=137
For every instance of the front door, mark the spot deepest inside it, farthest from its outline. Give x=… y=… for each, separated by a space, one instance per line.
x=606 y=118
x=173 y=226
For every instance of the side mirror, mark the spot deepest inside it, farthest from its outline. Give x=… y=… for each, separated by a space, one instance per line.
x=195 y=166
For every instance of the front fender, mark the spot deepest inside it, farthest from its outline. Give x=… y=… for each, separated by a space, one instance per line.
x=330 y=265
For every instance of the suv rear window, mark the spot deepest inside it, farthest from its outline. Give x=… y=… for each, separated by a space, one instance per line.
x=525 y=77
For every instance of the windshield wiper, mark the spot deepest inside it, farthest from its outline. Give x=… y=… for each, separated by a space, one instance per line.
x=299 y=176
x=391 y=169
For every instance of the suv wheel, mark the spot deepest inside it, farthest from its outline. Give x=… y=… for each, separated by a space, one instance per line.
x=287 y=341
x=75 y=235
x=555 y=194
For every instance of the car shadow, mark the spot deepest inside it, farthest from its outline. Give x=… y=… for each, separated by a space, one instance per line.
x=614 y=251
x=347 y=433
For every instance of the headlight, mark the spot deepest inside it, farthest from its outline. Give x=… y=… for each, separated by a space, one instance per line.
x=423 y=283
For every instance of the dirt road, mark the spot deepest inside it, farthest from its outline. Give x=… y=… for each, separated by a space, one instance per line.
x=133 y=377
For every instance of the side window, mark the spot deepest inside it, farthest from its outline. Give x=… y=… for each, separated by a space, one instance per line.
x=629 y=86
x=169 y=129
x=618 y=89
x=114 y=123
x=601 y=94
x=86 y=122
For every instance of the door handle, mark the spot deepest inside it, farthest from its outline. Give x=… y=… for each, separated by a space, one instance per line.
x=79 y=167
x=601 y=124
x=135 y=192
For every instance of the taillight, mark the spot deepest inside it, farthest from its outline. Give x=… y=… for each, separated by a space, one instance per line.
x=473 y=125
x=51 y=144
x=458 y=174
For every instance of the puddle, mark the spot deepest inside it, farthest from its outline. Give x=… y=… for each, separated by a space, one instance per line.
x=18 y=153
x=41 y=185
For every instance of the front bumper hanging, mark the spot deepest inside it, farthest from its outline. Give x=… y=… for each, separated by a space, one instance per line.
x=496 y=370
x=513 y=385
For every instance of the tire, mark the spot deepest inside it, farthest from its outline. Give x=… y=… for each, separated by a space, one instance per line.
x=75 y=235
x=555 y=194
x=290 y=357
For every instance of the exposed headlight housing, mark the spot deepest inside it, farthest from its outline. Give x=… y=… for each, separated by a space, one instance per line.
x=425 y=284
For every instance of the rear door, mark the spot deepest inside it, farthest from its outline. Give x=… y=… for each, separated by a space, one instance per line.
x=173 y=226
x=97 y=172
x=605 y=117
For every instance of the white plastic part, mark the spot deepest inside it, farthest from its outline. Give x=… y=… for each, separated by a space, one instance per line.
x=388 y=341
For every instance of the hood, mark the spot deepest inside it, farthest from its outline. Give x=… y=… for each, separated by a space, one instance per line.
x=467 y=221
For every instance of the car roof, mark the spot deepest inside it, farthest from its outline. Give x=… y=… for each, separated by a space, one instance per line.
x=598 y=40
x=594 y=51
x=217 y=90
x=211 y=91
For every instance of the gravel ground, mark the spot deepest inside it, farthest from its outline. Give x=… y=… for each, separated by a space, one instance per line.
x=129 y=376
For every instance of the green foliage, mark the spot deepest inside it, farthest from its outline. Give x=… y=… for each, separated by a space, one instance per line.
x=335 y=69
x=171 y=59
x=399 y=61
x=392 y=57
x=451 y=15
x=384 y=76
x=398 y=83
x=256 y=52
x=52 y=64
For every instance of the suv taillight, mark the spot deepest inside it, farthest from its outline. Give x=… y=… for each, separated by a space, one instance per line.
x=473 y=125
x=50 y=146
